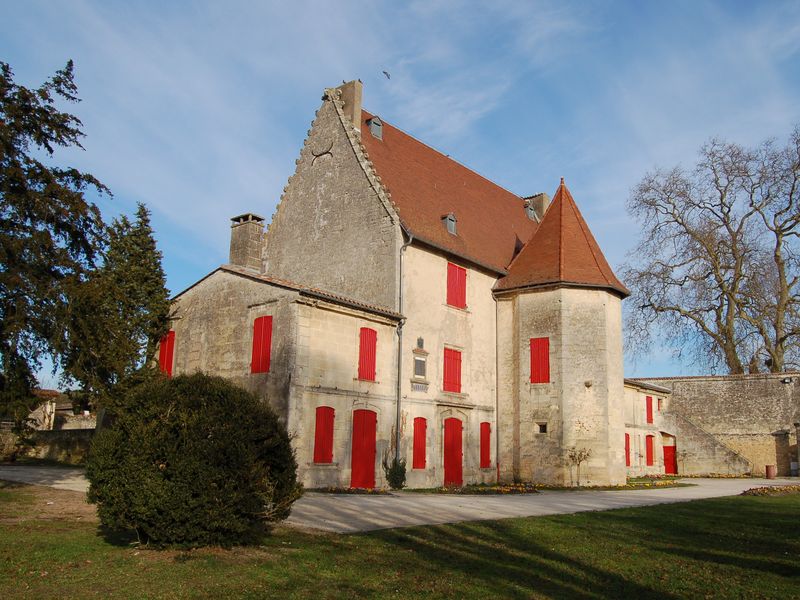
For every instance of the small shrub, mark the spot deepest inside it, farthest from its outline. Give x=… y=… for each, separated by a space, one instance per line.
x=192 y=461
x=395 y=471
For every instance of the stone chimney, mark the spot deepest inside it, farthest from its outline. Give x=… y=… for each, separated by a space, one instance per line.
x=536 y=206
x=247 y=233
x=351 y=93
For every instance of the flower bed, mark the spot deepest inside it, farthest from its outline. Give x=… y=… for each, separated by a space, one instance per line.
x=343 y=490
x=775 y=490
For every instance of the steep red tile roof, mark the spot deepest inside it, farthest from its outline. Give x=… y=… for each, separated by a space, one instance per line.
x=562 y=250
x=425 y=185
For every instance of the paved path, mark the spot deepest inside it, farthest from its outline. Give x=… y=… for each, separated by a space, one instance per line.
x=349 y=513
x=62 y=478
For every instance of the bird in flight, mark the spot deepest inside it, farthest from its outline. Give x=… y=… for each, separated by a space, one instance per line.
x=387 y=75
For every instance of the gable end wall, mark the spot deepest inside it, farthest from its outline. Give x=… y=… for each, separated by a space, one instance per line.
x=331 y=230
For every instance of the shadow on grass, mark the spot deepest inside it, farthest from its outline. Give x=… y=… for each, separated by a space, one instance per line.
x=630 y=553
x=117 y=537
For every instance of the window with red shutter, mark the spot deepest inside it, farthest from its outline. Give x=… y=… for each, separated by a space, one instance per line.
x=627 y=450
x=452 y=370
x=649 y=409
x=540 y=360
x=649 y=440
x=262 y=345
x=486 y=449
x=368 y=341
x=420 y=433
x=166 y=353
x=456 y=286
x=323 y=435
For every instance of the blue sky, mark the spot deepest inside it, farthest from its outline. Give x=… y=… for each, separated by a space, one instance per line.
x=200 y=109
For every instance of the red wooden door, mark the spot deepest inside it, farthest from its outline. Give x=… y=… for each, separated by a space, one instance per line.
x=670 y=461
x=649 y=450
x=362 y=462
x=453 y=452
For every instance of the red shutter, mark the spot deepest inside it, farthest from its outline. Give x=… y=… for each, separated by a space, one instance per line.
x=540 y=360
x=456 y=286
x=262 y=345
x=649 y=409
x=486 y=451
x=420 y=433
x=649 y=449
x=166 y=353
x=452 y=370
x=366 y=354
x=323 y=435
x=627 y=450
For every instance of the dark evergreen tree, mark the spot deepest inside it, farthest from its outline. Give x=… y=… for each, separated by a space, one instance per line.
x=50 y=234
x=119 y=313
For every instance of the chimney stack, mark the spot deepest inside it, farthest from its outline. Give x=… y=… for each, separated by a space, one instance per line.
x=351 y=93
x=247 y=234
x=536 y=206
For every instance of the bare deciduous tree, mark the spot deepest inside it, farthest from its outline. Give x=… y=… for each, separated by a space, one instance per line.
x=716 y=270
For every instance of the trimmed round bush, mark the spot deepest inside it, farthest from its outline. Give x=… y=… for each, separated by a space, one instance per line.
x=192 y=461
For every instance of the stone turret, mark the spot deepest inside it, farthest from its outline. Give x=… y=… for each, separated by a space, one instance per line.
x=560 y=376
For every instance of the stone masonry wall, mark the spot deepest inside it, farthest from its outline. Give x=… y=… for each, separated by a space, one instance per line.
x=753 y=415
x=583 y=403
x=331 y=230
x=213 y=324
x=326 y=374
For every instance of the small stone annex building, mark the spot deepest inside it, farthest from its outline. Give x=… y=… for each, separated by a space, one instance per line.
x=399 y=299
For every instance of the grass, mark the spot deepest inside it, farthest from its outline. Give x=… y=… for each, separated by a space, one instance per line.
x=740 y=547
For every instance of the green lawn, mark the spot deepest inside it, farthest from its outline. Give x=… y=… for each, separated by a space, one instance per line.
x=742 y=547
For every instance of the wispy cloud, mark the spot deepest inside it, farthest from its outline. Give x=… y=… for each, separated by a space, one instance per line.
x=199 y=109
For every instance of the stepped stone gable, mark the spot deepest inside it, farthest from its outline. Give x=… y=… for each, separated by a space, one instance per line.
x=333 y=228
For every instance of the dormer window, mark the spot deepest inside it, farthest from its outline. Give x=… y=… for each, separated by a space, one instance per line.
x=376 y=127
x=449 y=221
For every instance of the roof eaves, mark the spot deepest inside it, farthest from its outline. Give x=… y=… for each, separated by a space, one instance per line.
x=558 y=284
x=474 y=261
x=309 y=291
x=647 y=386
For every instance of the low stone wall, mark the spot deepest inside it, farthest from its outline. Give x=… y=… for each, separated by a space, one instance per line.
x=68 y=446
x=752 y=415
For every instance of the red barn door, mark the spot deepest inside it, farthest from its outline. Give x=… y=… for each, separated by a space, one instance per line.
x=362 y=462
x=453 y=452
x=670 y=461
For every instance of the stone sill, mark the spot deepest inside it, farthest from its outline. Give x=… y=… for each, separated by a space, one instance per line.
x=332 y=465
x=366 y=380
x=465 y=310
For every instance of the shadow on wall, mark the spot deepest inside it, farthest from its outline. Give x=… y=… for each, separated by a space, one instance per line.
x=783 y=452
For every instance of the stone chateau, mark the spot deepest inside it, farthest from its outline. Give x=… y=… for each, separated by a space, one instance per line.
x=400 y=300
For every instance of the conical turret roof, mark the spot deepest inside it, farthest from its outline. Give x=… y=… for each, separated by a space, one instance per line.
x=561 y=251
